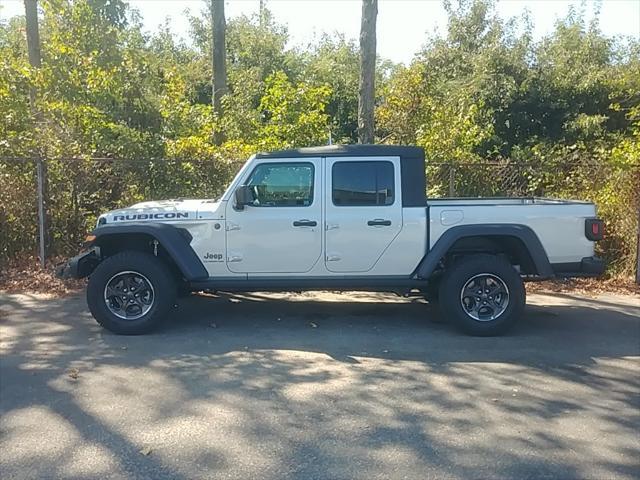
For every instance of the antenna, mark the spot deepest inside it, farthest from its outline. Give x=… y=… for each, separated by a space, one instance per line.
x=330 y=138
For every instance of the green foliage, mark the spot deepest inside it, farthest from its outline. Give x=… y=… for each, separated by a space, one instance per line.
x=566 y=109
x=293 y=115
x=482 y=91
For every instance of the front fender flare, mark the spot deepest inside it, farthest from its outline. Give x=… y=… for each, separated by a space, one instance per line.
x=175 y=241
x=523 y=233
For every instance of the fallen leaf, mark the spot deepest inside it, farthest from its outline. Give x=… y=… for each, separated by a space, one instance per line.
x=213 y=325
x=313 y=325
x=123 y=348
x=73 y=373
x=385 y=351
x=146 y=451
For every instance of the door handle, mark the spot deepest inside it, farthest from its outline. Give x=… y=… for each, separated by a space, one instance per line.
x=305 y=223
x=379 y=221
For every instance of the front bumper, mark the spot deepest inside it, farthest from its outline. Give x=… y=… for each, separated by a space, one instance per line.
x=587 y=267
x=79 y=266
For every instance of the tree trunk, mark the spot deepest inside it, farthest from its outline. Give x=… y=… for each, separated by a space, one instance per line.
x=366 y=93
x=219 y=61
x=35 y=60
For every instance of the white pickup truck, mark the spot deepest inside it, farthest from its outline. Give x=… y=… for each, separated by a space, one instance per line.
x=338 y=218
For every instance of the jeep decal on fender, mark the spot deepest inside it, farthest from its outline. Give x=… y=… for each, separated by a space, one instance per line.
x=213 y=257
x=150 y=216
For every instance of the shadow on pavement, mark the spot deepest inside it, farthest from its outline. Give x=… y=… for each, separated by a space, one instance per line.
x=353 y=386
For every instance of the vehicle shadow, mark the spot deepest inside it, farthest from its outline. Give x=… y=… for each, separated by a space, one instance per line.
x=394 y=328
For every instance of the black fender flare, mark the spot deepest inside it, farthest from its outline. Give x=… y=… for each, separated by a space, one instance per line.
x=173 y=239
x=523 y=233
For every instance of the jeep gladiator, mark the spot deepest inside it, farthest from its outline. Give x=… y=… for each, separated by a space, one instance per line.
x=340 y=218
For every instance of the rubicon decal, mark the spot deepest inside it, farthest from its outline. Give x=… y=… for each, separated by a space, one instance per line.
x=150 y=216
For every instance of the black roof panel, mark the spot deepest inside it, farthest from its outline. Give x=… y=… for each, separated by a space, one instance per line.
x=347 y=151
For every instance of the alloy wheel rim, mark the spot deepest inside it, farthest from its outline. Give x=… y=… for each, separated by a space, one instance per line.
x=484 y=297
x=129 y=295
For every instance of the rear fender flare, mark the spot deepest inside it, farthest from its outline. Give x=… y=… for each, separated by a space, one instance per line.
x=526 y=235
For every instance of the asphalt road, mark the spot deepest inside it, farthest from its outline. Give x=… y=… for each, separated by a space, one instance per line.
x=314 y=386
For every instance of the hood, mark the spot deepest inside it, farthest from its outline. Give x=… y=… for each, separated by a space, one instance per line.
x=163 y=211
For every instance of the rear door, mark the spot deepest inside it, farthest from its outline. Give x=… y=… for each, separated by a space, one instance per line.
x=363 y=211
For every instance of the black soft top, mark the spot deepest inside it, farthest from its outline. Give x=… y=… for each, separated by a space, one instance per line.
x=411 y=162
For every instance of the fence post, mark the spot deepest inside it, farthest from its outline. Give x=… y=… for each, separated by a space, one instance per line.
x=35 y=61
x=40 y=173
x=452 y=180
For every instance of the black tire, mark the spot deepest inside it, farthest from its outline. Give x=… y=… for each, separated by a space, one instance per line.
x=455 y=308
x=153 y=270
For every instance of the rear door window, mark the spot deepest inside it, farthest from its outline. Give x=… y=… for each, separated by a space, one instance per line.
x=363 y=183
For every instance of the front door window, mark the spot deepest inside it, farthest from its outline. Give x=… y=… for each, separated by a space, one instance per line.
x=282 y=185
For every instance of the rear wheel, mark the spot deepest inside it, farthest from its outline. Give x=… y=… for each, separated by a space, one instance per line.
x=130 y=293
x=483 y=296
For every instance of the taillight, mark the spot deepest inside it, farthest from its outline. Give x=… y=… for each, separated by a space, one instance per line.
x=594 y=229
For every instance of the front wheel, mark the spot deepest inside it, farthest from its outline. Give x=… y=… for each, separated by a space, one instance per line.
x=130 y=293
x=483 y=296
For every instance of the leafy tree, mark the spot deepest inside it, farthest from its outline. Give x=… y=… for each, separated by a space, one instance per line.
x=334 y=61
x=294 y=115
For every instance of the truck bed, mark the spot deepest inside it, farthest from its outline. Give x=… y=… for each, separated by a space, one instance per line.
x=553 y=220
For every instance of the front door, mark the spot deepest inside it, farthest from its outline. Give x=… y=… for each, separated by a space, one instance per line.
x=281 y=232
x=363 y=211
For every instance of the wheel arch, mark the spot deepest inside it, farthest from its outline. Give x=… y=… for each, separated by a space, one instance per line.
x=173 y=245
x=519 y=242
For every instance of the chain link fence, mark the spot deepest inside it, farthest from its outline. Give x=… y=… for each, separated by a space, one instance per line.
x=79 y=189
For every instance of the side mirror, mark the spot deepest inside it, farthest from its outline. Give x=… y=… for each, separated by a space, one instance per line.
x=244 y=196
